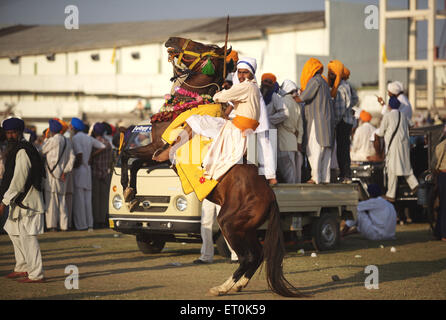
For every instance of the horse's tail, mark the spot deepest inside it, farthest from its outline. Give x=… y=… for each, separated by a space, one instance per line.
x=274 y=252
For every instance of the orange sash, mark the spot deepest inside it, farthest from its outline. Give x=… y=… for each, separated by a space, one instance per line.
x=244 y=123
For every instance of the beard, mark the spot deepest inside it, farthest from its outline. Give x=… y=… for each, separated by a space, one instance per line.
x=265 y=90
x=10 y=145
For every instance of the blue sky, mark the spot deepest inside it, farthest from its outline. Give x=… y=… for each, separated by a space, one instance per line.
x=105 y=11
x=111 y=11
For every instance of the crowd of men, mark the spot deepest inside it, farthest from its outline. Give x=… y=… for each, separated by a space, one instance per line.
x=319 y=122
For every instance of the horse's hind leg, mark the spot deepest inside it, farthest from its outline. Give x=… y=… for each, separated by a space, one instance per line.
x=253 y=260
x=245 y=257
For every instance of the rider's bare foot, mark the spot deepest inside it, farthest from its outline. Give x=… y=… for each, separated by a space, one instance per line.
x=129 y=194
x=162 y=155
x=134 y=204
x=272 y=182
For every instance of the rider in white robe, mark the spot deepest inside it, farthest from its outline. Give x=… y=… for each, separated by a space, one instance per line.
x=229 y=141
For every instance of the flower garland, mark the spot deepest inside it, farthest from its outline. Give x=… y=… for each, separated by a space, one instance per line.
x=181 y=101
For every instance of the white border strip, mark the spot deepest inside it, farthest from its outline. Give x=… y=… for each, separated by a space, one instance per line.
x=148 y=219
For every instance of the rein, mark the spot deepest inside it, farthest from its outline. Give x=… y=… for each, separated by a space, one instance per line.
x=181 y=82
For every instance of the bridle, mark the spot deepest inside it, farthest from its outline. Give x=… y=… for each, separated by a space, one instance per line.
x=183 y=71
x=198 y=56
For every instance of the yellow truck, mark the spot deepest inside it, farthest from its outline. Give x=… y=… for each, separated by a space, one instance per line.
x=166 y=214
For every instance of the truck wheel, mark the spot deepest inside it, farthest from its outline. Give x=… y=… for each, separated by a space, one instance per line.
x=326 y=233
x=148 y=244
x=222 y=247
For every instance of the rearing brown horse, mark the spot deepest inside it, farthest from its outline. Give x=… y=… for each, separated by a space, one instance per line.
x=246 y=199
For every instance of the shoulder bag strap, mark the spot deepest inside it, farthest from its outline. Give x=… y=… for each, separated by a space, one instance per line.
x=394 y=132
x=60 y=155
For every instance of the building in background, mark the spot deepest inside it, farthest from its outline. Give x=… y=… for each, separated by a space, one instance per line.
x=104 y=71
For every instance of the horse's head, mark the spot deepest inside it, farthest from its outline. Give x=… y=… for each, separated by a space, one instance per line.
x=198 y=66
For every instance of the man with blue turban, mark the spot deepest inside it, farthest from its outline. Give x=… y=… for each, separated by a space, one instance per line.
x=83 y=145
x=395 y=130
x=20 y=189
x=58 y=152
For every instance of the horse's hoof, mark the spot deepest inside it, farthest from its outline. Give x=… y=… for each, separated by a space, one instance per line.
x=133 y=205
x=215 y=292
x=129 y=194
x=235 y=289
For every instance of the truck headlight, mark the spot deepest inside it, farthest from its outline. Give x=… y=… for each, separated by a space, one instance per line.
x=117 y=202
x=181 y=203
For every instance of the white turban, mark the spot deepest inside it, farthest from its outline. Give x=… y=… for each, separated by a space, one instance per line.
x=288 y=86
x=251 y=65
x=247 y=63
x=395 y=87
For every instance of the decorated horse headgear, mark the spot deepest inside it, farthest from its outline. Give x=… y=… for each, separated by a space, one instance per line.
x=206 y=67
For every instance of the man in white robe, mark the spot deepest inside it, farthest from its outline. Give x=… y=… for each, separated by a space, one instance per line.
x=397 y=150
x=362 y=145
x=277 y=113
x=376 y=217
x=59 y=161
x=209 y=212
x=229 y=136
x=82 y=147
x=265 y=149
x=21 y=186
x=290 y=133
x=319 y=117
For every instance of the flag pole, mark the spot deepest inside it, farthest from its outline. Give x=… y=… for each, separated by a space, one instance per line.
x=226 y=48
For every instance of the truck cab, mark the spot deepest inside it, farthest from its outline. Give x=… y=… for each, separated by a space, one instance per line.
x=164 y=213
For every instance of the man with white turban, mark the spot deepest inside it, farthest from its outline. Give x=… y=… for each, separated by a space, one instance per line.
x=396 y=89
x=244 y=97
x=266 y=155
x=229 y=136
x=290 y=133
x=394 y=128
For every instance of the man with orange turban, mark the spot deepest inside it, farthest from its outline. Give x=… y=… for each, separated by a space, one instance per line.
x=362 y=146
x=320 y=120
x=341 y=93
x=277 y=113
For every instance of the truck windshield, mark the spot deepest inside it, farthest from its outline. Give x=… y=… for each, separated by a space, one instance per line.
x=141 y=136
